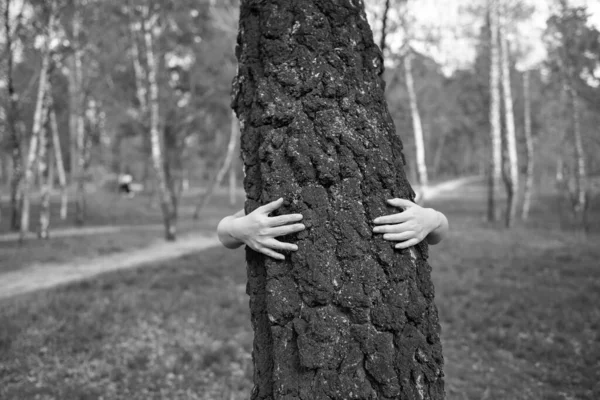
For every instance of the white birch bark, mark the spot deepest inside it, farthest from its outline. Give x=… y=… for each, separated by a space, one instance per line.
x=512 y=176
x=416 y=122
x=38 y=121
x=156 y=135
x=528 y=146
x=495 y=167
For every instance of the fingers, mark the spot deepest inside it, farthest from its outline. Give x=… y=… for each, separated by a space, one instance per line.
x=284 y=219
x=285 y=230
x=277 y=245
x=395 y=228
x=401 y=203
x=271 y=253
x=392 y=219
x=407 y=244
x=270 y=207
x=397 y=237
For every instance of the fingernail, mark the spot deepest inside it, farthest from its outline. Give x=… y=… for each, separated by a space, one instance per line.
x=295 y=248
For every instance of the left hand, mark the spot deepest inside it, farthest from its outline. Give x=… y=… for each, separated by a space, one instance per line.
x=408 y=227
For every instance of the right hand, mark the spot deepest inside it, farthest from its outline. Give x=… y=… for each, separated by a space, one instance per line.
x=259 y=231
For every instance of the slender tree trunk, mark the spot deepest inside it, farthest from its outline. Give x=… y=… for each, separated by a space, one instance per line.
x=44 y=160
x=416 y=122
x=79 y=121
x=580 y=168
x=495 y=167
x=11 y=125
x=227 y=164
x=58 y=159
x=512 y=176
x=346 y=316
x=528 y=146
x=38 y=122
x=157 y=139
x=384 y=21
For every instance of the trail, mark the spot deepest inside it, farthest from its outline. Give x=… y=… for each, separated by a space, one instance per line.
x=48 y=275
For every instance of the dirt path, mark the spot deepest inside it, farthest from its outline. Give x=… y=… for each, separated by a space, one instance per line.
x=48 y=275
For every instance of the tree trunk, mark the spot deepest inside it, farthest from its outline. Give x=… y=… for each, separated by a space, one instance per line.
x=580 y=169
x=495 y=167
x=227 y=164
x=156 y=136
x=44 y=160
x=58 y=160
x=511 y=178
x=346 y=316
x=416 y=122
x=79 y=122
x=528 y=146
x=11 y=125
x=38 y=122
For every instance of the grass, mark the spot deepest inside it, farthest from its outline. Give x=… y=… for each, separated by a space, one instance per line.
x=520 y=314
x=104 y=209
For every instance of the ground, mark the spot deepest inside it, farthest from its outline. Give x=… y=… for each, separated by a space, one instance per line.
x=520 y=313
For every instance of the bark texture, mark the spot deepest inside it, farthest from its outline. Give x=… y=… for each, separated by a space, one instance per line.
x=528 y=190
x=495 y=167
x=511 y=178
x=346 y=316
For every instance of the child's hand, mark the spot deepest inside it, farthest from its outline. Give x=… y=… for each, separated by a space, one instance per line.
x=259 y=231
x=409 y=227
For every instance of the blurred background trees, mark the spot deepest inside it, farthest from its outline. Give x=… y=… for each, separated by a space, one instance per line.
x=97 y=88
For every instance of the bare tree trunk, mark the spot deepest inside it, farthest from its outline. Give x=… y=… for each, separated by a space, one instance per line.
x=11 y=124
x=38 y=122
x=528 y=146
x=346 y=316
x=157 y=139
x=416 y=122
x=512 y=176
x=79 y=122
x=58 y=159
x=495 y=167
x=44 y=160
x=384 y=21
x=227 y=163
x=580 y=168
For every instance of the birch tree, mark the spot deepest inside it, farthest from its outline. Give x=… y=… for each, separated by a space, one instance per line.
x=346 y=316
x=511 y=177
x=495 y=166
x=527 y=129
x=156 y=134
x=37 y=126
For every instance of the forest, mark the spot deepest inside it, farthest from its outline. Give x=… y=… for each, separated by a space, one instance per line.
x=497 y=107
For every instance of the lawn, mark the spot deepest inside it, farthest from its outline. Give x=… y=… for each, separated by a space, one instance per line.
x=520 y=314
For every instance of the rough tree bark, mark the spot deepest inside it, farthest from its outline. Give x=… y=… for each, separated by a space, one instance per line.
x=227 y=166
x=511 y=178
x=156 y=136
x=495 y=167
x=346 y=316
x=422 y=176
x=38 y=122
x=528 y=147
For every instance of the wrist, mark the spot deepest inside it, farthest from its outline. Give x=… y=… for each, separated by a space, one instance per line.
x=435 y=218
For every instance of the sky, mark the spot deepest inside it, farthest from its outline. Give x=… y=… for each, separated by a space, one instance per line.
x=458 y=29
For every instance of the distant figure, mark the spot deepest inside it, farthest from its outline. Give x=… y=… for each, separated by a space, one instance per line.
x=125 y=181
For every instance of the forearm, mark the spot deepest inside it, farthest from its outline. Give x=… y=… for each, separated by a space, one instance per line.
x=440 y=231
x=224 y=231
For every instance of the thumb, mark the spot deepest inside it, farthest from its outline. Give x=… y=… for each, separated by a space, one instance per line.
x=401 y=203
